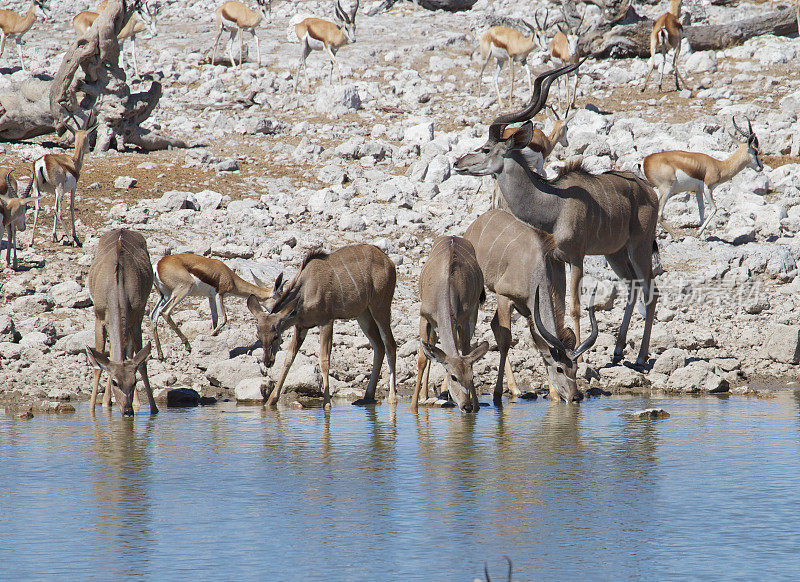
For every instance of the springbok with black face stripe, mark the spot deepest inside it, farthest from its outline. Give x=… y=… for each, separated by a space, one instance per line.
x=451 y=289
x=186 y=274
x=518 y=264
x=354 y=282
x=506 y=44
x=235 y=17
x=676 y=171
x=612 y=214
x=316 y=34
x=667 y=33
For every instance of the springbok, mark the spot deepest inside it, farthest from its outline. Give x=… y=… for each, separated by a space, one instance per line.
x=120 y=280
x=564 y=50
x=676 y=171
x=15 y=26
x=180 y=276
x=354 y=282
x=12 y=215
x=316 y=34
x=236 y=18
x=451 y=289
x=83 y=21
x=506 y=45
x=612 y=214
x=58 y=174
x=519 y=266
x=667 y=34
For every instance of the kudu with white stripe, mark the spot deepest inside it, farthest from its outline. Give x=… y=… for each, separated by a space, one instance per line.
x=451 y=289
x=613 y=214
x=354 y=282
x=518 y=265
x=120 y=281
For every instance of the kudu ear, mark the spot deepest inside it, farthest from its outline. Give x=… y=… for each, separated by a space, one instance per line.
x=432 y=352
x=97 y=359
x=478 y=352
x=253 y=305
x=141 y=356
x=521 y=138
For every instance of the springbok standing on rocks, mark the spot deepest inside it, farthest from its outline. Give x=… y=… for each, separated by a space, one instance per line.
x=120 y=280
x=354 y=282
x=612 y=214
x=58 y=174
x=12 y=214
x=180 y=276
x=667 y=34
x=15 y=26
x=316 y=34
x=506 y=45
x=564 y=51
x=149 y=20
x=676 y=171
x=518 y=264
x=451 y=289
x=236 y=18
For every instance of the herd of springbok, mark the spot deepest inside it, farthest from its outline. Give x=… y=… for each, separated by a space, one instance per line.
x=518 y=250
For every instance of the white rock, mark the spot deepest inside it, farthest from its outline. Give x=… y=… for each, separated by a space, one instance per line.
x=252 y=389
x=420 y=133
x=124 y=182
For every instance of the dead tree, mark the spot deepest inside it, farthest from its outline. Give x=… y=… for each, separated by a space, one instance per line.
x=89 y=75
x=627 y=34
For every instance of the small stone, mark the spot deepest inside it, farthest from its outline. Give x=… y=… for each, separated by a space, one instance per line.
x=647 y=413
x=227 y=165
x=124 y=182
x=182 y=397
x=295 y=405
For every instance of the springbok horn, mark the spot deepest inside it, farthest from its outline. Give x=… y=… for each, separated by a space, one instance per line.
x=749 y=126
x=29 y=187
x=589 y=341
x=739 y=129
x=543 y=331
x=9 y=187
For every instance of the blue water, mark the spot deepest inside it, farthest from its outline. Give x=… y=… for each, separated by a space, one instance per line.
x=227 y=493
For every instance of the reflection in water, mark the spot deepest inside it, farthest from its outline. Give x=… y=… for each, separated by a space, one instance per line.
x=119 y=466
x=380 y=493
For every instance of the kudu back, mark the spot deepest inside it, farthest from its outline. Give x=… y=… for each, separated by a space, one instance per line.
x=120 y=280
x=450 y=290
x=518 y=265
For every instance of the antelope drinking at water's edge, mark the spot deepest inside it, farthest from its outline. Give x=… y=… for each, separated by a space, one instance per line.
x=451 y=288
x=120 y=280
x=518 y=265
x=354 y=282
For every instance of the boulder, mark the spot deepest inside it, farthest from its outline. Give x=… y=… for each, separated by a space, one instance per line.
x=782 y=343
x=228 y=373
x=252 y=389
x=64 y=294
x=647 y=413
x=448 y=5
x=670 y=360
x=304 y=376
x=182 y=398
x=124 y=182
x=420 y=133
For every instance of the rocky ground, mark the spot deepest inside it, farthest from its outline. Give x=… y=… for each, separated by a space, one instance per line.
x=273 y=174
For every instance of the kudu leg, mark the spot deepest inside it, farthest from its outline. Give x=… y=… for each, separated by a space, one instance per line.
x=642 y=263
x=99 y=345
x=294 y=347
x=576 y=277
x=501 y=327
x=383 y=317
x=325 y=345
x=422 y=363
x=370 y=328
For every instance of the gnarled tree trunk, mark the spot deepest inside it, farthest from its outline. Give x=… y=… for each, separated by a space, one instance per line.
x=89 y=78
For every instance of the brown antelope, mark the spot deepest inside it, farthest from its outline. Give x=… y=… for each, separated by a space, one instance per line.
x=667 y=34
x=564 y=50
x=120 y=280
x=236 y=18
x=451 y=289
x=506 y=45
x=15 y=26
x=83 y=21
x=519 y=266
x=180 y=276
x=672 y=172
x=12 y=214
x=612 y=214
x=354 y=282
x=316 y=34
x=58 y=174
